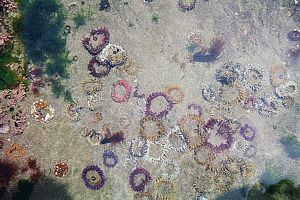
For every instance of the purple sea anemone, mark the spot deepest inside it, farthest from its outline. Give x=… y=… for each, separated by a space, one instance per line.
x=294 y=35
x=93 y=177
x=221 y=130
x=110 y=155
x=162 y=113
x=98 y=68
x=139 y=187
x=248 y=132
x=98 y=39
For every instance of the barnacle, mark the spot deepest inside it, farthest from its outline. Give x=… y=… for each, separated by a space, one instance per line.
x=42 y=111
x=61 y=169
x=187 y=5
x=209 y=93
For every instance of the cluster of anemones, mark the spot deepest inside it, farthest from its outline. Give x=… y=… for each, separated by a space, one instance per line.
x=93 y=177
x=133 y=182
x=106 y=56
x=162 y=113
x=121 y=98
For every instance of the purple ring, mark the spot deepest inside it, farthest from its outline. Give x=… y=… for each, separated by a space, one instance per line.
x=223 y=130
x=94 y=62
x=88 y=181
x=164 y=112
x=247 y=128
x=110 y=155
x=140 y=187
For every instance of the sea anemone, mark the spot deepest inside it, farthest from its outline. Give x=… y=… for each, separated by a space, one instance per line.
x=248 y=132
x=294 y=35
x=162 y=113
x=110 y=155
x=98 y=68
x=98 y=39
x=143 y=182
x=93 y=177
x=121 y=98
x=221 y=129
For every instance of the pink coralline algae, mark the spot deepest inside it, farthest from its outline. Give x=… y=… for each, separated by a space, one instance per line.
x=12 y=117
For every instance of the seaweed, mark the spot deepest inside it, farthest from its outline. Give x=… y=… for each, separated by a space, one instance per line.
x=43 y=23
x=25 y=189
x=284 y=189
x=8 y=171
x=81 y=16
x=291 y=146
x=155 y=17
x=8 y=78
x=68 y=97
x=42 y=26
x=57 y=88
x=48 y=189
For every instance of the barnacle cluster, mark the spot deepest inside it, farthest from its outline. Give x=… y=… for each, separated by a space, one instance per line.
x=42 y=111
